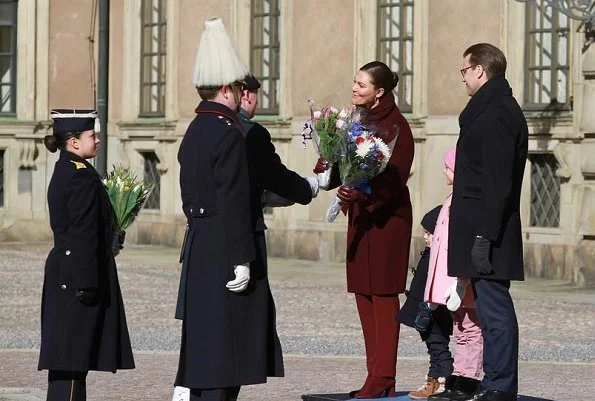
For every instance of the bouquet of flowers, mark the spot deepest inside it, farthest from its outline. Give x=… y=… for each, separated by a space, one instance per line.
x=363 y=156
x=327 y=128
x=127 y=195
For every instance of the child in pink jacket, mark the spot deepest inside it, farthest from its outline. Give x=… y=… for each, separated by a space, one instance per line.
x=452 y=292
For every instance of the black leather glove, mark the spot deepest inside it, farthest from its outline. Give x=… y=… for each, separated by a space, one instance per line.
x=480 y=255
x=86 y=296
x=118 y=242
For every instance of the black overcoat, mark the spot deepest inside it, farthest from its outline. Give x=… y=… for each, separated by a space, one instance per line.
x=74 y=336
x=267 y=172
x=228 y=339
x=490 y=162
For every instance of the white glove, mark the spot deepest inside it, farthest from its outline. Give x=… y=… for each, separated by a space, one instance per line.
x=324 y=178
x=181 y=394
x=313 y=181
x=455 y=294
x=240 y=283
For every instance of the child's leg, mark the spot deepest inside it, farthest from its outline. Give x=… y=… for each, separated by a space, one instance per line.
x=469 y=344
x=436 y=338
x=441 y=362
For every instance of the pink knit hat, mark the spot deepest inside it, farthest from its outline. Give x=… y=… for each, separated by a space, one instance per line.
x=449 y=158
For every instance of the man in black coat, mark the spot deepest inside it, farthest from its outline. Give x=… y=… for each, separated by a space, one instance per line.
x=272 y=183
x=485 y=242
x=228 y=333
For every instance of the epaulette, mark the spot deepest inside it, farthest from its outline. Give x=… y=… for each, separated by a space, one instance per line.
x=224 y=120
x=78 y=165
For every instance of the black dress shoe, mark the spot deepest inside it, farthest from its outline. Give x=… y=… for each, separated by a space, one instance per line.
x=494 y=395
x=462 y=389
x=443 y=395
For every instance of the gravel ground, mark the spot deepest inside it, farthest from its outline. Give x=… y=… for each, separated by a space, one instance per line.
x=314 y=316
x=316 y=320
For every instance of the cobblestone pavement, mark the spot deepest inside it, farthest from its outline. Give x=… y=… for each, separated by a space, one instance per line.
x=316 y=320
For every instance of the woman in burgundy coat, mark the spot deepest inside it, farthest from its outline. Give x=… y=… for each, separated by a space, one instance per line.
x=379 y=229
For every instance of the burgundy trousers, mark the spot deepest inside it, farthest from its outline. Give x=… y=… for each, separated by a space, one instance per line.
x=377 y=314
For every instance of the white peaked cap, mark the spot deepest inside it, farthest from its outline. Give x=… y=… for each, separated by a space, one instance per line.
x=217 y=61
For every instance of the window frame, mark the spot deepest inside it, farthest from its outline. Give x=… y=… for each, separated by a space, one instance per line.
x=274 y=47
x=148 y=157
x=13 y=65
x=531 y=33
x=536 y=219
x=402 y=90
x=160 y=54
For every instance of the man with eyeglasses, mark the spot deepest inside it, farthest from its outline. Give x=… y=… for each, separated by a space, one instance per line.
x=485 y=242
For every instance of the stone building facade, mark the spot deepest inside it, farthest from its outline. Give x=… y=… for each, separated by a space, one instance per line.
x=306 y=49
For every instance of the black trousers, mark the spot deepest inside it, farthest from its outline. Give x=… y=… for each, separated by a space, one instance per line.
x=500 y=331
x=437 y=339
x=67 y=386
x=216 y=394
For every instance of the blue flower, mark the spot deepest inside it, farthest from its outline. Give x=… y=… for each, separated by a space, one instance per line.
x=356 y=129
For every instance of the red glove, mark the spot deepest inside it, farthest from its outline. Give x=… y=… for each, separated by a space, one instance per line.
x=321 y=166
x=349 y=195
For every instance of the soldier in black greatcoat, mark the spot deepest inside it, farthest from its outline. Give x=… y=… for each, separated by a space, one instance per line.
x=228 y=332
x=271 y=182
x=485 y=241
x=83 y=326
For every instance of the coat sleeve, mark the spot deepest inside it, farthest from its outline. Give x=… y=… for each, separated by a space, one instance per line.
x=498 y=146
x=84 y=210
x=233 y=195
x=390 y=185
x=271 y=173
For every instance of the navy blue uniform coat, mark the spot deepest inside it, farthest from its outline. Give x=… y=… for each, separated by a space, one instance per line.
x=267 y=172
x=74 y=336
x=228 y=338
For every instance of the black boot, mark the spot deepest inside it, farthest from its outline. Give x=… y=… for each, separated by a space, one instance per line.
x=451 y=386
x=466 y=389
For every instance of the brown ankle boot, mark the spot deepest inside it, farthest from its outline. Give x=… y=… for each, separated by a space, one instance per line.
x=431 y=386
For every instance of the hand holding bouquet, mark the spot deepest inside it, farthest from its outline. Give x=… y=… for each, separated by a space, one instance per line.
x=363 y=157
x=327 y=129
x=127 y=195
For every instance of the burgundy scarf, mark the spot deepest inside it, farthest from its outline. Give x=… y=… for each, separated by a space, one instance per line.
x=384 y=118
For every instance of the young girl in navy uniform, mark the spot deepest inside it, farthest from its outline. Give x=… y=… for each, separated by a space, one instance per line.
x=83 y=326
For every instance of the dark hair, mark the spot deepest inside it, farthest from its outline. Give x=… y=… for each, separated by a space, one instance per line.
x=53 y=143
x=209 y=92
x=381 y=76
x=489 y=57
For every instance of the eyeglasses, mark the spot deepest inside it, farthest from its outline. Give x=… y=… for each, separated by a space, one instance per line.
x=464 y=70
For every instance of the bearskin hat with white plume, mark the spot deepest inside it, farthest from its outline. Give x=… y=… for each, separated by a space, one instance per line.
x=217 y=61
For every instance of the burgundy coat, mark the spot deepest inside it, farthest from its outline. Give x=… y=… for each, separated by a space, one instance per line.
x=379 y=229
